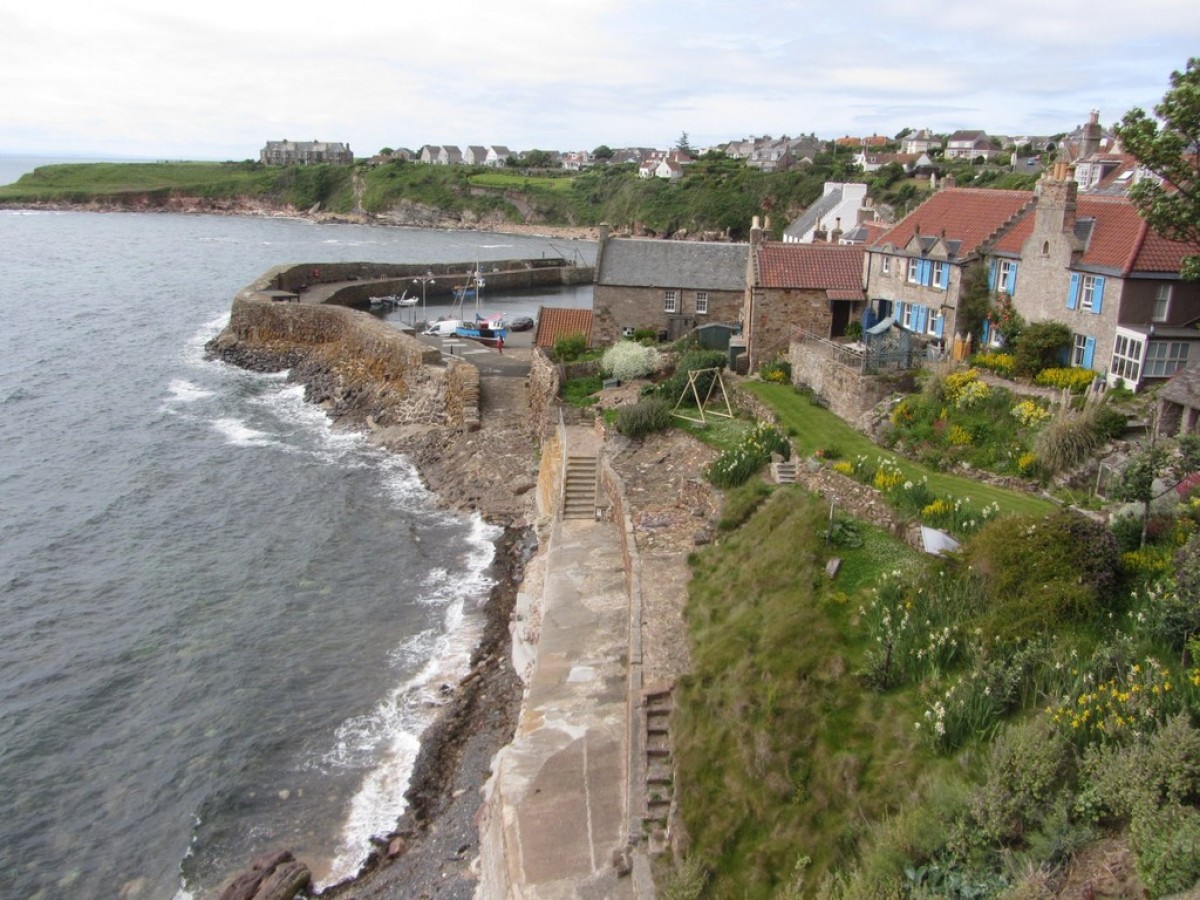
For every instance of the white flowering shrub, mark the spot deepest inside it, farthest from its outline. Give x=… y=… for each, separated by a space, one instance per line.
x=627 y=360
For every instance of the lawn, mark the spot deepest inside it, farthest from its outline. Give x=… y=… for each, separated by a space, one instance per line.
x=812 y=428
x=506 y=181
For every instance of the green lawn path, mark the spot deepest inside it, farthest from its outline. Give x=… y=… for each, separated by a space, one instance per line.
x=812 y=428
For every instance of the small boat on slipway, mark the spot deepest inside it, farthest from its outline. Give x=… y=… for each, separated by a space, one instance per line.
x=489 y=331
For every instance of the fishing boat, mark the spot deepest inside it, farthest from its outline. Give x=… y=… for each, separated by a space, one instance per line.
x=489 y=330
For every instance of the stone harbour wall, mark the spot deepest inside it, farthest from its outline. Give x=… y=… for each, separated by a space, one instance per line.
x=354 y=365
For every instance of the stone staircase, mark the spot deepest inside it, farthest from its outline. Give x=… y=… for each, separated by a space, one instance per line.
x=579 y=487
x=784 y=471
x=660 y=767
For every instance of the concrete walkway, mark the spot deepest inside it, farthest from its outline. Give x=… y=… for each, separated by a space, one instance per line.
x=558 y=822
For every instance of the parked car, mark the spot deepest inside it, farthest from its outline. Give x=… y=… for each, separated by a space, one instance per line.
x=521 y=323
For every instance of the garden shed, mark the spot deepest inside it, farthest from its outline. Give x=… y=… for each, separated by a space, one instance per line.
x=1179 y=404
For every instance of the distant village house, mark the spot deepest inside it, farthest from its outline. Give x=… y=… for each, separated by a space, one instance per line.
x=304 y=153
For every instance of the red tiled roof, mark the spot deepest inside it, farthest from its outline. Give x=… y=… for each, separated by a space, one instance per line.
x=967 y=215
x=830 y=267
x=555 y=323
x=1120 y=238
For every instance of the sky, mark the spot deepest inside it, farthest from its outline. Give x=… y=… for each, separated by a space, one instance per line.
x=217 y=79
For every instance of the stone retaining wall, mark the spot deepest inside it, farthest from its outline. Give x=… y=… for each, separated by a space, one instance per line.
x=848 y=393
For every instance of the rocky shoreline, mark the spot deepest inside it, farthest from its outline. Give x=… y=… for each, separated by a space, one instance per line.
x=431 y=850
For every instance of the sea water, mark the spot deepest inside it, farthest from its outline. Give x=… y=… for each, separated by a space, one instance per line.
x=223 y=622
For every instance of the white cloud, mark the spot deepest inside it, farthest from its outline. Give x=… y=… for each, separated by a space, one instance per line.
x=216 y=80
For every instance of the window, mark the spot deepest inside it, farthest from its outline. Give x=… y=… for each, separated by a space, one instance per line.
x=669 y=301
x=907 y=318
x=1045 y=248
x=1162 y=301
x=1079 y=351
x=701 y=303
x=1165 y=358
x=1006 y=278
x=1087 y=297
x=931 y=321
x=939 y=276
x=1127 y=358
x=886 y=266
x=913 y=272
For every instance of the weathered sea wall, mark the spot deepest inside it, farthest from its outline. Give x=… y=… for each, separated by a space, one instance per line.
x=356 y=366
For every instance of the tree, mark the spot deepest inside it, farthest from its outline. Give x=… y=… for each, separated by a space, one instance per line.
x=682 y=144
x=1171 y=152
x=903 y=133
x=386 y=151
x=1152 y=463
x=603 y=152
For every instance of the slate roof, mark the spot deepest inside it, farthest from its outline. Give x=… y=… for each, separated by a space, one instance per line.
x=815 y=213
x=555 y=322
x=966 y=215
x=835 y=268
x=1183 y=388
x=689 y=265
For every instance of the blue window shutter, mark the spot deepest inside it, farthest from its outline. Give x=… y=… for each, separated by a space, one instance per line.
x=1089 y=351
x=941 y=320
x=919 y=319
x=1098 y=296
x=927 y=273
x=992 y=275
x=900 y=314
x=987 y=330
x=1073 y=293
x=945 y=285
x=1011 y=286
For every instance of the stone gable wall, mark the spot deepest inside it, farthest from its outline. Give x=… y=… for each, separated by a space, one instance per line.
x=849 y=394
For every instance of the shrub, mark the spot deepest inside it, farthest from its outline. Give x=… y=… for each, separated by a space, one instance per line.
x=1000 y=363
x=1026 y=765
x=1067 y=439
x=1039 y=346
x=776 y=371
x=570 y=347
x=627 y=360
x=737 y=465
x=1073 y=379
x=1030 y=413
x=1041 y=573
x=644 y=417
x=955 y=383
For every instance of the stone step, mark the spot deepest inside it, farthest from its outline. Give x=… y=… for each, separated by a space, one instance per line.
x=784 y=472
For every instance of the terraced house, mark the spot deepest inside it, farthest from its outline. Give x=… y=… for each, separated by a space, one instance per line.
x=915 y=270
x=1092 y=263
x=1088 y=261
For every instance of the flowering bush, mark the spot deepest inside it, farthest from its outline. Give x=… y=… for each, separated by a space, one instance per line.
x=843 y=467
x=1027 y=463
x=776 y=371
x=959 y=436
x=887 y=475
x=1075 y=380
x=1030 y=413
x=737 y=465
x=1000 y=363
x=956 y=382
x=973 y=394
x=1135 y=701
x=627 y=360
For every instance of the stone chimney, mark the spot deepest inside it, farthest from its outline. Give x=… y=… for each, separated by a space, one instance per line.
x=820 y=234
x=1091 y=135
x=1057 y=203
x=756 y=233
x=836 y=235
